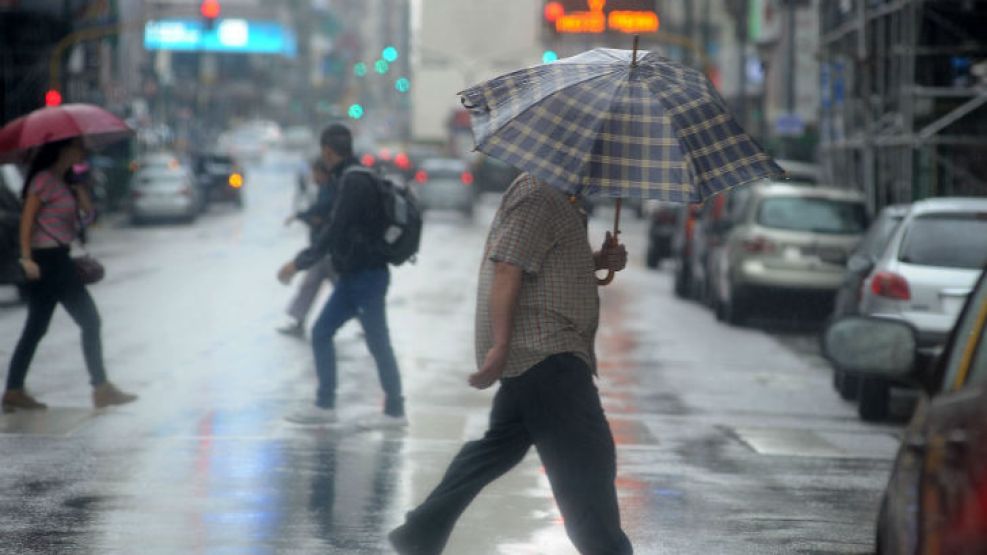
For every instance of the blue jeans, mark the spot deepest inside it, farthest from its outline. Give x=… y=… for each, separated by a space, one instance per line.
x=361 y=295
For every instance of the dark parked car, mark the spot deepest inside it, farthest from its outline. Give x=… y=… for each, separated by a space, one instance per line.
x=491 y=175
x=10 y=217
x=859 y=266
x=662 y=220
x=936 y=499
x=682 y=246
x=220 y=179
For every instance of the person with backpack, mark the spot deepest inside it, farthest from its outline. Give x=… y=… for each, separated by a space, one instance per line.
x=354 y=238
x=315 y=217
x=54 y=215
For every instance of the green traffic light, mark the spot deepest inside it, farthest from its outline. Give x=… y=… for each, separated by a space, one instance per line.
x=402 y=85
x=389 y=54
x=381 y=66
x=359 y=69
x=355 y=111
x=549 y=56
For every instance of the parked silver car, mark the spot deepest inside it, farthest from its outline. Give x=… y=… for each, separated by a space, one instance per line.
x=923 y=277
x=859 y=266
x=783 y=237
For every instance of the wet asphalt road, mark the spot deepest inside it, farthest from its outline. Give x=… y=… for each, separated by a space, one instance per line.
x=729 y=440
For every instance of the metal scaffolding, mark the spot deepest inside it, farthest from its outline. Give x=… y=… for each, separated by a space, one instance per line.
x=904 y=101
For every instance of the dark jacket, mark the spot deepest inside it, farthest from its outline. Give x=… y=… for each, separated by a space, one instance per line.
x=317 y=216
x=357 y=222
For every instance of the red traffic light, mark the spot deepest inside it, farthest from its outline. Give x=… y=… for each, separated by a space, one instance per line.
x=53 y=98
x=210 y=9
x=553 y=11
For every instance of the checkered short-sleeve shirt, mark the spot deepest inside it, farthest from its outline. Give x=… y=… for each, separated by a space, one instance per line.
x=537 y=229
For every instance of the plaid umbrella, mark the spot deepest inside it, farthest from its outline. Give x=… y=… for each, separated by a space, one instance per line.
x=604 y=122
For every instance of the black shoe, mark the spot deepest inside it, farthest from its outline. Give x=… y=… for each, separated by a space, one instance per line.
x=405 y=545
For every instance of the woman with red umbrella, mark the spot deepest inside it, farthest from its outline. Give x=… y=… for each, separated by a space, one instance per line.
x=53 y=216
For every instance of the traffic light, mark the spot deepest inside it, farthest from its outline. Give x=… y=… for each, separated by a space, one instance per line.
x=549 y=56
x=210 y=10
x=402 y=85
x=355 y=111
x=381 y=66
x=53 y=98
x=389 y=54
x=359 y=69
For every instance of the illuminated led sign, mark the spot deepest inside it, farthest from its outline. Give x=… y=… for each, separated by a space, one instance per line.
x=597 y=20
x=228 y=35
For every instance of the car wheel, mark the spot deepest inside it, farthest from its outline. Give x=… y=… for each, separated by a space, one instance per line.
x=681 y=281
x=652 y=260
x=735 y=309
x=849 y=386
x=873 y=399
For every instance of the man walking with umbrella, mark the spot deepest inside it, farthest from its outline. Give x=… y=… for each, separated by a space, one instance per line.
x=600 y=122
x=537 y=313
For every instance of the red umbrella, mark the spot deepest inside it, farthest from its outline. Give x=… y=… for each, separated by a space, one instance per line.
x=46 y=125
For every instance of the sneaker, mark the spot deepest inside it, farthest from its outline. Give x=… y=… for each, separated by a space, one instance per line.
x=313 y=416
x=402 y=540
x=292 y=328
x=18 y=399
x=384 y=422
x=107 y=394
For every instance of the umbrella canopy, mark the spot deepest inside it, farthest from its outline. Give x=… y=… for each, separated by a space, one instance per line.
x=606 y=122
x=46 y=125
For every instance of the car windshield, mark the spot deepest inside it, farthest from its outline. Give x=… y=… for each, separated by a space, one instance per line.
x=946 y=240
x=817 y=215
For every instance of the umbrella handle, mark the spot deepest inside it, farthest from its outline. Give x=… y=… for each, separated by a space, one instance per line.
x=613 y=241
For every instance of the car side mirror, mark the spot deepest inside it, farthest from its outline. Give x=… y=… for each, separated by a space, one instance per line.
x=878 y=347
x=860 y=264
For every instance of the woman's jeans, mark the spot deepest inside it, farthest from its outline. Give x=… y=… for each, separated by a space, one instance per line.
x=361 y=295
x=59 y=283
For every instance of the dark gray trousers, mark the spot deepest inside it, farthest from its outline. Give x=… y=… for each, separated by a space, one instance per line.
x=555 y=407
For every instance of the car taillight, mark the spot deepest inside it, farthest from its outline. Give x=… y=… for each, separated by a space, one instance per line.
x=368 y=160
x=758 y=245
x=466 y=178
x=421 y=176
x=890 y=285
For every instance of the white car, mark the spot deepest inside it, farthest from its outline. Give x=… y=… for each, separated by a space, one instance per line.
x=924 y=276
x=168 y=193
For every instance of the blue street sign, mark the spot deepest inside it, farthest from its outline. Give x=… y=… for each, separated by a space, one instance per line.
x=228 y=35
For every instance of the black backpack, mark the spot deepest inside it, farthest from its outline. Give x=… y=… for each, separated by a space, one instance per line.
x=402 y=231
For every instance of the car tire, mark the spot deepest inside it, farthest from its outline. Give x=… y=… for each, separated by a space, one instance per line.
x=873 y=399
x=735 y=309
x=848 y=387
x=652 y=260
x=681 y=286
